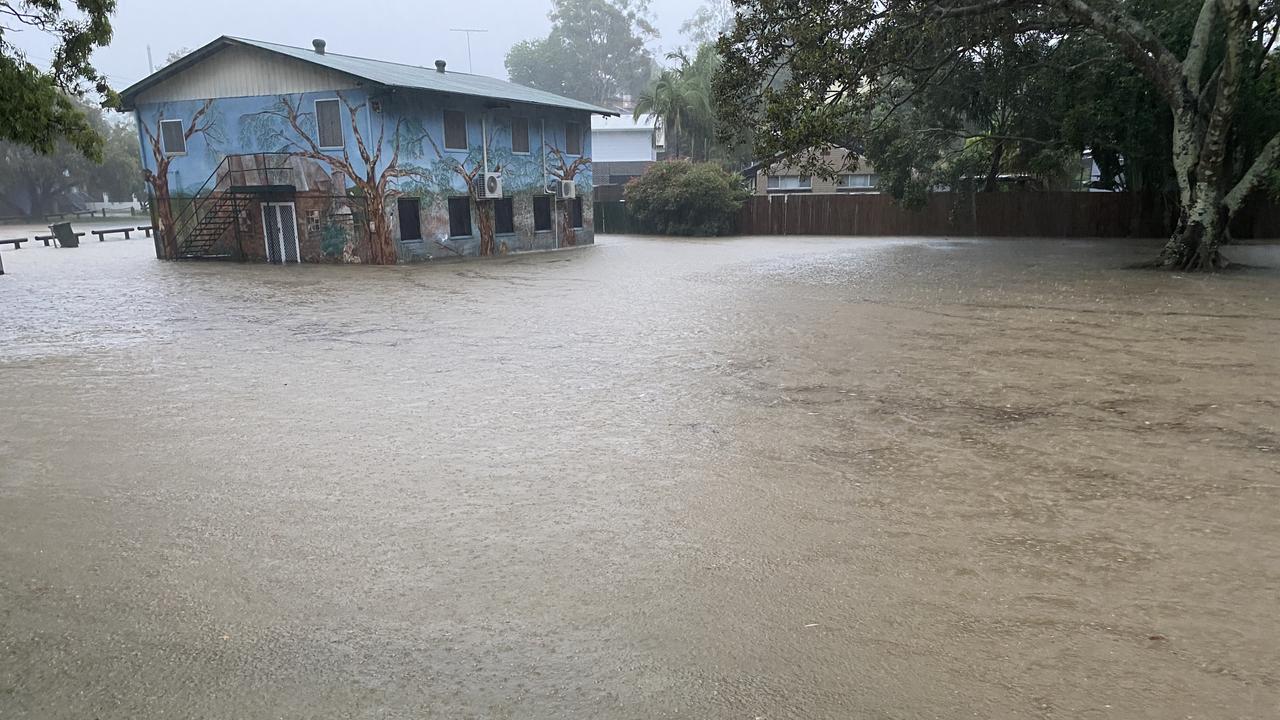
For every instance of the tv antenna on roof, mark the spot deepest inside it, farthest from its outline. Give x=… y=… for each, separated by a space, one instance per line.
x=468 y=31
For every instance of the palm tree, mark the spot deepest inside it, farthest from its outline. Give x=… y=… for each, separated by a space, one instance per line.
x=664 y=100
x=680 y=98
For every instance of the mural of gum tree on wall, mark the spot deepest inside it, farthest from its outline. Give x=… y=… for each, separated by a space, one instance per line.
x=202 y=123
x=563 y=170
x=469 y=169
x=296 y=134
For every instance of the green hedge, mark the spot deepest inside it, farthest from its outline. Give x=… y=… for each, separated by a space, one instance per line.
x=678 y=197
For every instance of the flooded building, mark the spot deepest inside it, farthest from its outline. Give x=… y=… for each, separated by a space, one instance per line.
x=259 y=151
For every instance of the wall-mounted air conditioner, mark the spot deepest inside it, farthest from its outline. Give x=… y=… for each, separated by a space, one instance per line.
x=489 y=186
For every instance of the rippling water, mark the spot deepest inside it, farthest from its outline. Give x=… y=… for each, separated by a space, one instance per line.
x=759 y=477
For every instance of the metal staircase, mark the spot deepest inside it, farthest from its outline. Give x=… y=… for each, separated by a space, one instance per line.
x=217 y=206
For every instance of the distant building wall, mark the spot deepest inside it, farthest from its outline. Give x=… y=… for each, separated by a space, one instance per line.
x=860 y=177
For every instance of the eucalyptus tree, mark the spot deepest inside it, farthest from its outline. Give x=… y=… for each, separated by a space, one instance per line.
x=875 y=74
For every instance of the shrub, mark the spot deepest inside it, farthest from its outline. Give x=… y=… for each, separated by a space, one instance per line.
x=679 y=197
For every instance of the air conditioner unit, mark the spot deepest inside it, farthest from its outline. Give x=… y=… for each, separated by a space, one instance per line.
x=567 y=190
x=489 y=186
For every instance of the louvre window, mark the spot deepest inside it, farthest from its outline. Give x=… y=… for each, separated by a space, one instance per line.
x=171 y=138
x=519 y=134
x=460 y=216
x=576 y=212
x=541 y=212
x=329 y=124
x=504 y=216
x=455 y=130
x=858 y=181
x=573 y=139
x=790 y=182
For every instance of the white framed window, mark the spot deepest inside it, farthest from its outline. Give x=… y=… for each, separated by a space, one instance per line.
x=172 y=139
x=858 y=181
x=329 y=124
x=790 y=182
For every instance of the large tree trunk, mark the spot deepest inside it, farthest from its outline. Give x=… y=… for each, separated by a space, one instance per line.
x=1201 y=231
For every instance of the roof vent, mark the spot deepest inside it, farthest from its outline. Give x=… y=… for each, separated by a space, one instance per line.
x=318 y=44
x=440 y=66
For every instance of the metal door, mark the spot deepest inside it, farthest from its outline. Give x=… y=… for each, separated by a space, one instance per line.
x=280 y=230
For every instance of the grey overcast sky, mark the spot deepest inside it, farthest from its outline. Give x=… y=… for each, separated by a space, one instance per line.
x=405 y=31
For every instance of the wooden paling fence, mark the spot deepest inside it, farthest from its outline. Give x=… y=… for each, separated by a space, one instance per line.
x=999 y=214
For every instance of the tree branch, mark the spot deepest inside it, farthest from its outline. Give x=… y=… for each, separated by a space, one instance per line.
x=1266 y=160
x=1197 y=53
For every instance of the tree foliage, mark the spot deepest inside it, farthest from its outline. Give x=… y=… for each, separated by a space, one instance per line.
x=678 y=197
x=931 y=90
x=595 y=51
x=38 y=108
x=34 y=183
x=712 y=19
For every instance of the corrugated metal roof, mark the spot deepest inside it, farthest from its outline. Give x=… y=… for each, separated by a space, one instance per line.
x=384 y=73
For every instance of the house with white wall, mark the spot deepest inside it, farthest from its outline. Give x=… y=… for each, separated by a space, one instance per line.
x=623 y=147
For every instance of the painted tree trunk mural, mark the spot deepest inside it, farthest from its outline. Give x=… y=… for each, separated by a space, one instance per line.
x=567 y=171
x=372 y=183
x=158 y=179
x=469 y=176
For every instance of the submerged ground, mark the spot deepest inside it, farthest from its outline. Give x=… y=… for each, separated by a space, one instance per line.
x=750 y=478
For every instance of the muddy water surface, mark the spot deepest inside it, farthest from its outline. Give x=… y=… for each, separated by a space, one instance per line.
x=751 y=478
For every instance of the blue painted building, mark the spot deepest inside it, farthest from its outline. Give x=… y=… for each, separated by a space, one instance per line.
x=254 y=150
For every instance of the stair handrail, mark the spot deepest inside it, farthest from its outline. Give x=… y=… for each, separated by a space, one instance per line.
x=194 y=212
x=190 y=215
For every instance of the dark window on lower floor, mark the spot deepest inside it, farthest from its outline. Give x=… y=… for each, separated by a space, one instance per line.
x=541 y=212
x=575 y=212
x=460 y=216
x=504 y=216
x=410 y=218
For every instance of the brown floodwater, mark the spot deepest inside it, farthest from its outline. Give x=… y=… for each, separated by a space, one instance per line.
x=744 y=478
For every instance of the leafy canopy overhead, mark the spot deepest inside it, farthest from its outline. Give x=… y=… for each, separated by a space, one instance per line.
x=595 y=51
x=930 y=89
x=38 y=109
x=33 y=183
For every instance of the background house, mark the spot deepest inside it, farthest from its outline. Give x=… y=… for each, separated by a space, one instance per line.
x=258 y=150
x=781 y=177
x=623 y=148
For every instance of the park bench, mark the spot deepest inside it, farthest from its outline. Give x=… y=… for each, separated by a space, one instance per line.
x=125 y=230
x=15 y=242
x=46 y=238
x=147 y=229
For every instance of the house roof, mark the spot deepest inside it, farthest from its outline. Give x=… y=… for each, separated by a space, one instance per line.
x=624 y=123
x=381 y=72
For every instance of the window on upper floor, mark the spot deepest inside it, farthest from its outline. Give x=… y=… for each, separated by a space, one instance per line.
x=520 y=134
x=172 y=140
x=328 y=124
x=857 y=181
x=790 y=182
x=455 y=130
x=573 y=139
